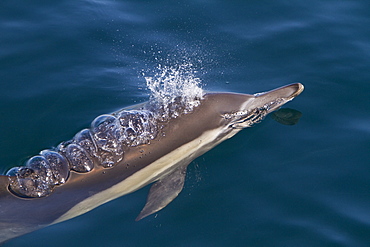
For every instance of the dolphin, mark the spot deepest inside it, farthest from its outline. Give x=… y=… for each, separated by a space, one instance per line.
x=123 y=152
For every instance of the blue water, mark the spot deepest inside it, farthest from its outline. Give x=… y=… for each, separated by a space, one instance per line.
x=62 y=63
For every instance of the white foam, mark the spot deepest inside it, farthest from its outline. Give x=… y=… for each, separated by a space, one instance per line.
x=174 y=90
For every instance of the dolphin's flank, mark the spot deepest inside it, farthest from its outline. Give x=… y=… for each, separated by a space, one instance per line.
x=123 y=152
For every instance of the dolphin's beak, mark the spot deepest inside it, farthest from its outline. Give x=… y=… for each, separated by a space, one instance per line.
x=273 y=99
x=257 y=106
x=289 y=91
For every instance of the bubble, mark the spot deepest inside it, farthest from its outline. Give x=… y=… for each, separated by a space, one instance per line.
x=138 y=127
x=33 y=180
x=58 y=164
x=13 y=171
x=85 y=140
x=103 y=121
x=78 y=158
x=106 y=132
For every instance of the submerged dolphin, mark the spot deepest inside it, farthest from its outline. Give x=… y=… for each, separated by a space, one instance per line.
x=123 y=152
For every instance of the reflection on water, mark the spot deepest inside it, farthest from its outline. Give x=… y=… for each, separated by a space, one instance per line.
x=286 y=116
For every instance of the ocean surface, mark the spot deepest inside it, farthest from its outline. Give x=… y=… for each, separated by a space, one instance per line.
x=62 y=63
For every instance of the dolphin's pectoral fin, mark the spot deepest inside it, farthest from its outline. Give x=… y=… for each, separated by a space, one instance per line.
x=163 y=192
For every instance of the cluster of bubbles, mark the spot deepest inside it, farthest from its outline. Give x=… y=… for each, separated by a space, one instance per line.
x=102 y=144
x=173 y=92
x=40 y=175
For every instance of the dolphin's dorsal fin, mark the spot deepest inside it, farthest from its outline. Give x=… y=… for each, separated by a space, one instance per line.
x=163 y=192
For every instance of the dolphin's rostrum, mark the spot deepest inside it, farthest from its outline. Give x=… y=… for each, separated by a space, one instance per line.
x=123 y=152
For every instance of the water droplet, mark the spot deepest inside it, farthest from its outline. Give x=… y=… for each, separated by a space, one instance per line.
x=174 y=91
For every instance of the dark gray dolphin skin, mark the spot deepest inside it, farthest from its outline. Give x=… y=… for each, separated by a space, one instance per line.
x=43 y=192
